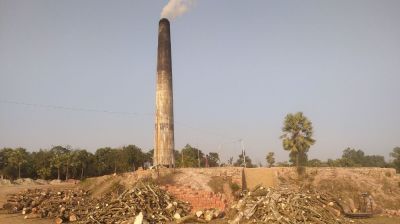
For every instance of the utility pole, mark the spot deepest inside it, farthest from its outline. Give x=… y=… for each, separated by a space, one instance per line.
x=198 y=156
x=182 y=159
x=243 y=153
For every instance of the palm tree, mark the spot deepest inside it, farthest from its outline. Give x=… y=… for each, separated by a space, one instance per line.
x=17 y=158
x=297 y=138
x=80 y=159
x=270 y=159
x=57 y=159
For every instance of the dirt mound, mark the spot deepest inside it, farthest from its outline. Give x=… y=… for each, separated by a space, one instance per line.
x=24 y=181
x=5 y=182
x=349 y=184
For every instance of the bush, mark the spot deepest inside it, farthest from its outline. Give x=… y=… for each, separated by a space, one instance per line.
x=235 y=187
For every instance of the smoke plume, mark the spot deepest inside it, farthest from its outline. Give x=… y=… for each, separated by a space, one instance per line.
x=176 y=8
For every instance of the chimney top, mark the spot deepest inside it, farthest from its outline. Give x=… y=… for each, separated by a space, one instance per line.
x=164 y=20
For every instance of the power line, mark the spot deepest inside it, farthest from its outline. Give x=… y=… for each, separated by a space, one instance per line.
x=73 y=108
x=79 y=109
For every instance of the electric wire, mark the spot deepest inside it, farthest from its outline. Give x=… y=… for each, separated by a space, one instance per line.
x=79 y=109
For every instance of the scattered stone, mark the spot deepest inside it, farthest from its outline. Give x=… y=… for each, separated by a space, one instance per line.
x=32 y=216
x=199 y=214
x=177 y=216
x=139 y=218
x=72 y=218
x=58 y=221
x=208 y=215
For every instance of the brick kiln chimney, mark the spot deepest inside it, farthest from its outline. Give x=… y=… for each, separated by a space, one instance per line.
x=164 y=123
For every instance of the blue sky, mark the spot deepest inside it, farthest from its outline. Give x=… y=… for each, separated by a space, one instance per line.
x=238 y=67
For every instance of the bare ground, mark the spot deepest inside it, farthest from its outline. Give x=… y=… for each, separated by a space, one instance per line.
x=260 y=176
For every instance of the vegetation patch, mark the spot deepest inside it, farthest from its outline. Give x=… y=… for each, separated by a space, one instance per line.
x=216 y=184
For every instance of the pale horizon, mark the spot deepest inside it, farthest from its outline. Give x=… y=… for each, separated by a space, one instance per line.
x=82 y=73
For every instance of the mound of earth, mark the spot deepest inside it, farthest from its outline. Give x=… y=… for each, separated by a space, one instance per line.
x=348 y=183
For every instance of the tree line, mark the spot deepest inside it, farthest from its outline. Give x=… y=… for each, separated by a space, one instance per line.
x=61 y=162
x=64 y=162
x=297 y=138
x=350 y=158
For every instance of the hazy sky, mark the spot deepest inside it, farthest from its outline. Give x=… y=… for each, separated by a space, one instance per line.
x=238 y=68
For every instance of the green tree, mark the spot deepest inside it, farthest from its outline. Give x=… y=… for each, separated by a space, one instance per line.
x=177 y=158
x=150 y=154
x=239 y=161
x=79 y=161
x=396 y=158
x=112 y=160
x=297 y=138
x=42 y=163
x=4 y=165
x=283 y=164
x=44 y=172
x=230 y=161
x=17 y=158
x=66 y=158
x=315 y=163
x=58 y=158
x=270 y=159
x=104 y=161
x=374 y=161
x=353 y=157
x=192 y=157
x=357 y=158
x=213 y=159
x=135 y=157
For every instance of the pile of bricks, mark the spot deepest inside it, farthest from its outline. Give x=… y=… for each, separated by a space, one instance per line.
x=199 y=199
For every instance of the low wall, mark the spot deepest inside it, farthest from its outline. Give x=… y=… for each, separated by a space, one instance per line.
x=366 y=171
x=234 y=173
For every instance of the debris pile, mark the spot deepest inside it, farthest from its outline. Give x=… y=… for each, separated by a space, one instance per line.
x=146 y=202
x=202 y=216
x=392 y=212
x=37 y=203
x=268 y=205
x=143 y=201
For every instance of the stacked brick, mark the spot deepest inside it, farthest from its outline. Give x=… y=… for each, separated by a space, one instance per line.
x=199 y=199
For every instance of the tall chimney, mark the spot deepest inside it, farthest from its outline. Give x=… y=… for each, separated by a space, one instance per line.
x=164 y=127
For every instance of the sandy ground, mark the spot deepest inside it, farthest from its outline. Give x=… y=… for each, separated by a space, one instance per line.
x=259 y=176
x=194 y=180
x=18 y=218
